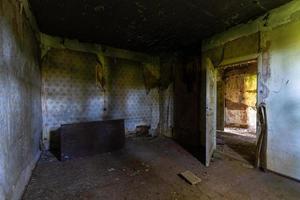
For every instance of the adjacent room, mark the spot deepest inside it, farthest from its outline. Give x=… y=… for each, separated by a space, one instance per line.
x=237 y=121
x=170 y=100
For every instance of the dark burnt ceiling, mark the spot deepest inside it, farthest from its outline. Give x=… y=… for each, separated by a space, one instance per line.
x=145 y=25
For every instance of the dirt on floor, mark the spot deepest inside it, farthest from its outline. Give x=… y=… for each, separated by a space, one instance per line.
x=148 y=169
x=238 y=145
x=241 y=131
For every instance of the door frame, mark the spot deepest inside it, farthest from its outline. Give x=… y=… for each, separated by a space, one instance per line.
x=210 y=110
x=260 y=85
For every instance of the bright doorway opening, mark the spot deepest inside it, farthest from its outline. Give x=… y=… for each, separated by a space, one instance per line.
x=237 y=113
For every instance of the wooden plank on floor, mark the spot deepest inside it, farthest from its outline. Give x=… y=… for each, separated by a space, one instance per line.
x=190 y=177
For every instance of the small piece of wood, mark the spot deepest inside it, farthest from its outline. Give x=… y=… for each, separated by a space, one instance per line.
x=190 y=177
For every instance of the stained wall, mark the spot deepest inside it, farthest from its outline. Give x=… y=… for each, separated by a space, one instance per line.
x=72 y=92
x=241 y=96
x=20 y=100
x=278 y=78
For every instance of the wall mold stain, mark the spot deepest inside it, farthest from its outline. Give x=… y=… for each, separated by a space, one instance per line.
x=266 y=70
x=263 y=90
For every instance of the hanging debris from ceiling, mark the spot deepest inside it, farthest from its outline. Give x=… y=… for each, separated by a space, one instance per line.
x=150 y=79
x=100 y=76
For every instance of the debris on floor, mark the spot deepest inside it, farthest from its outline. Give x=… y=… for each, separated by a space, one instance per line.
x=247 y=166
x=240 y=131
x=148 y=169
x=190 y=177
x=111 y=169
x=220 y=141
x=142 y=129
x=238 y=147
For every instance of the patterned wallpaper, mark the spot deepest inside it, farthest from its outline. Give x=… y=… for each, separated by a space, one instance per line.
x=70 y=93
x=127 y=96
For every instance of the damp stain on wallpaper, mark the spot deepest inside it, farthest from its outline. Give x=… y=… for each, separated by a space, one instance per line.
x=72 y=93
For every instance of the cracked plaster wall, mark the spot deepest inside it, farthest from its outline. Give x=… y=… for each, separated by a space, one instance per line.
x=278 y=79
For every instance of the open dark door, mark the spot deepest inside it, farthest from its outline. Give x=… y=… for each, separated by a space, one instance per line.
x=211 y=94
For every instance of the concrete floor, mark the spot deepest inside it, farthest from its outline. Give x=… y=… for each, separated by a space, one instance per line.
x=147 y=169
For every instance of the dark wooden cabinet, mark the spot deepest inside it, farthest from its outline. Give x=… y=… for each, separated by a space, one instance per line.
x=85 y=139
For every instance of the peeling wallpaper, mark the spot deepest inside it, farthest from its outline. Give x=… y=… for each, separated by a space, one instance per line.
x=70 y=93
x=241 y=96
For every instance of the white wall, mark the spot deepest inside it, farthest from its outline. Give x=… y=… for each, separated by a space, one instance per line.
x=279 y=81
x=284 y=100
x=20 y=100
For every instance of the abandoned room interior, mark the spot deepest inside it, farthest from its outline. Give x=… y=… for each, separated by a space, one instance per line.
x=181 y=99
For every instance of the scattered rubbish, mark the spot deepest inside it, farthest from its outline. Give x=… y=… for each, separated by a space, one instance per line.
x=205 y=174
x=217 y=156
x=135 y=173
x=220 y=141
x=174 y=194
x=111 y=169
x=247 y=166
x=142 y=129
x=146 y=165
x=190 y=177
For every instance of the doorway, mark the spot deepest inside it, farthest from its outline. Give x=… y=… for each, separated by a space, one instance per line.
x=236 y=111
